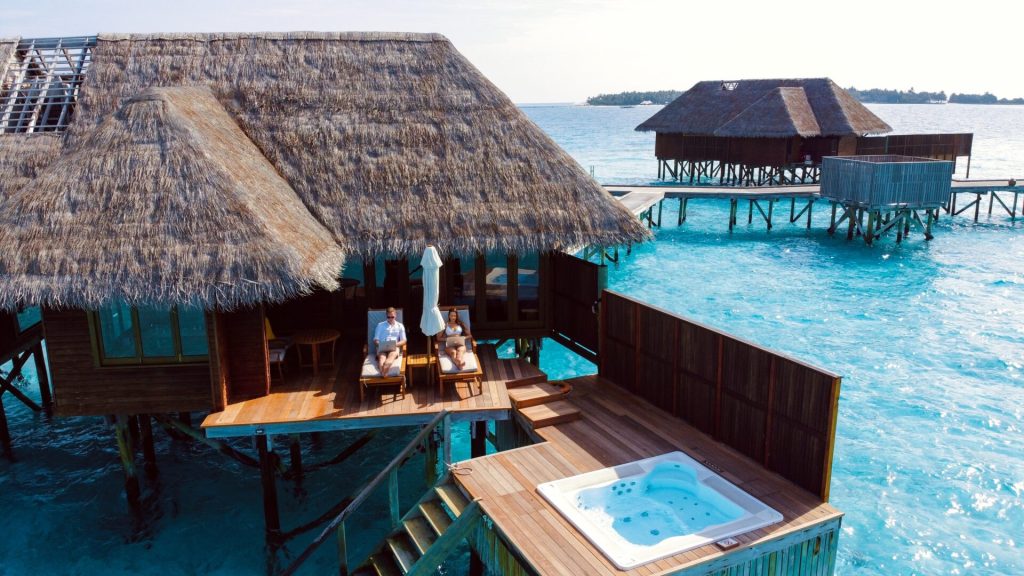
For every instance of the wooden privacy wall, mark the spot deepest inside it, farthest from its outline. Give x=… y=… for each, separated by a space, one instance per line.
x=576 y=288
x=778 y=411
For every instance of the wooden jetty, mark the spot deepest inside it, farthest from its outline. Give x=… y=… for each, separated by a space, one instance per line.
x=646 y=202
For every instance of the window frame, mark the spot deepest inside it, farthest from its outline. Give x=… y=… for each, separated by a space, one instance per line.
x=101 y=360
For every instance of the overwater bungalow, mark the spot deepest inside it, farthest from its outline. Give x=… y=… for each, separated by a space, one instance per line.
x=776 y=132
x=185 y=216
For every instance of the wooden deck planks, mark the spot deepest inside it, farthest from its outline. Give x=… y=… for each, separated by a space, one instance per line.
x=616 y=428
x=331 y=400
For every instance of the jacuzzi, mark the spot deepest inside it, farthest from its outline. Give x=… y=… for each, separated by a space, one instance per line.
x=649 y=509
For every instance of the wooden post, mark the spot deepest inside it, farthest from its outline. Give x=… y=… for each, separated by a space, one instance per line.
x=732 y=213
x=852 y=217
x=869 y=234
x=127 y=453
x=148 y=449
x=928 y=224
x=45 y=396
x=977 y=206
x=832 y=226
x=271 y=513
x=810 y=206
x=393 y=505
x=750 y=211
x=792 y=208
x=430 y=459
x=5 y=433
x=478 y=443
x=342 y=550
x=771 y=206
x=295 y=453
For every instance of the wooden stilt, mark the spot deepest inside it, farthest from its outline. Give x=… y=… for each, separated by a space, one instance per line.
x=5 y=433
x=478 y=444
x=732 y=213
x=430 y=459
x=148 y=447
x=45 y=396
x=852 y=217
x=869 y=234
x=750 y=211
x=271 y=514
x=832 y=226
x=771 y=206
x=125 y=449
x=810 y=206
x=295 y=455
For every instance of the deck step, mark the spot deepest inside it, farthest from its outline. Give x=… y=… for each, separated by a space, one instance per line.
x=542 y=393
x=420 y=532
x=526 y=381
x=384 y=564
x=453 y=498
x=436 y=516
x=404 y=551
x=555 y=412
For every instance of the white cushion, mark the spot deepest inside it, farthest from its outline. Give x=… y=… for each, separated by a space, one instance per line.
x=276 y=355
x=371 y=370
x=448 y=367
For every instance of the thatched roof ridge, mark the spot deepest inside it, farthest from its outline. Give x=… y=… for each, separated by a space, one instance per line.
x=393 y=141
x=164 y=202
x=780 y=113
x=710 y=106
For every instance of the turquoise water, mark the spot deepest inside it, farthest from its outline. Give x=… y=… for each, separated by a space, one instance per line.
x=928 y=336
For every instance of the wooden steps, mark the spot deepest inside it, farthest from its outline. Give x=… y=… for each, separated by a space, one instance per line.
x=556 y=412
x=420 y=529
x=453 y=498
x=526 y=381
x=540 y=393
x=420 y=532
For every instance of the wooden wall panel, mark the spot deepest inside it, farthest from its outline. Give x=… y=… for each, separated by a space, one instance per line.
x=246 y=351
x=779 y=412
x=80 y=388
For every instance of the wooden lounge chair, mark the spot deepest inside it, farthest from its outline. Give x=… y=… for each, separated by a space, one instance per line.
x=277 y=348
x=370 y=375
x=446 y=369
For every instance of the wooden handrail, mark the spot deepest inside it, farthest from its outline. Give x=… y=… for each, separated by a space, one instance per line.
x=364 y=494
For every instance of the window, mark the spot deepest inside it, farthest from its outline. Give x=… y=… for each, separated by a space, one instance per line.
x=125 y=335
x=39 y=89
x=29 y=317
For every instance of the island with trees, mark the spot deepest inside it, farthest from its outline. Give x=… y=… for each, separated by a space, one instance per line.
x=634 y=98
x=883 y=96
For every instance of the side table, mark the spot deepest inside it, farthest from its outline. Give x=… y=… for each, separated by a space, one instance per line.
x=419 y=361
x=314 y=338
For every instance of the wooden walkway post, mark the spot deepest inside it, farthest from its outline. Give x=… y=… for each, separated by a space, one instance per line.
x=5 y=433
x=148 y=449
x=45 y=396
x=478 y=444
x=271 y=513
x=127 y=452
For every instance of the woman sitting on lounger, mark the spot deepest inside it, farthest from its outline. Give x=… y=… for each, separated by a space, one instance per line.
x=452 y=338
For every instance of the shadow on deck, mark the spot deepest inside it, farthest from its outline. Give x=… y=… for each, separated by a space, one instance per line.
x=330 y=401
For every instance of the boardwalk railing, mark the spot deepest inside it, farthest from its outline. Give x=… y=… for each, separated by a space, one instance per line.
x=776 y=410
x=389 y=473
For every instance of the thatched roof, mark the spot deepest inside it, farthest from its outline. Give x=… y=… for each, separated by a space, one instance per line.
x=23 y=156
x=804 y=107
x=393 y=141
x=164 y=202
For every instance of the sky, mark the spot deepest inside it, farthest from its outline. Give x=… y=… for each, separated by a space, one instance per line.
x=564 y=51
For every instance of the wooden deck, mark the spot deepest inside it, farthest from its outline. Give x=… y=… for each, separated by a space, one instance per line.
x=616 y=428
x=330 y=401
x=640 y=198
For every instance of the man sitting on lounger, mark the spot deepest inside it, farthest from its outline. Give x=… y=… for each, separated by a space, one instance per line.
x=388 y=338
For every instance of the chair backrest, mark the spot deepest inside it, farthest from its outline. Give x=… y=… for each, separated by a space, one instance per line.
x=463 y=312
x=375 y=317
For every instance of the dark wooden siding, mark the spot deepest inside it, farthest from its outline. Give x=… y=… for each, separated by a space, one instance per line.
x=776 y=410
x=576 y=289
x=80 y=388
x=936 y=146
x=245 y=349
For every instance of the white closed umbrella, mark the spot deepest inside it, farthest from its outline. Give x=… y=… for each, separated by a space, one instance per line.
x=432 y=321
